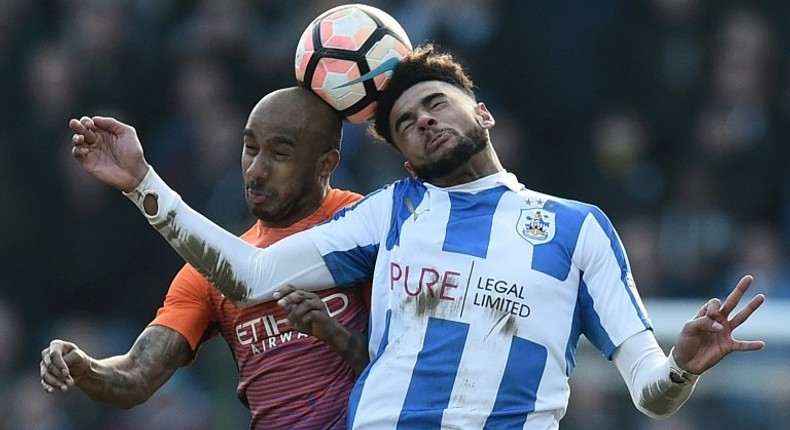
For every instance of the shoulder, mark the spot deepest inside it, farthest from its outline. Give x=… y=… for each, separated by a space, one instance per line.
x=560 y=204
x=400 y=187
x=188 y=281
x=342 y=198
x=336 y=200
x=569 y=216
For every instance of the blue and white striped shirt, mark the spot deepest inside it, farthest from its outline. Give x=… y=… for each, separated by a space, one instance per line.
x=480 y=294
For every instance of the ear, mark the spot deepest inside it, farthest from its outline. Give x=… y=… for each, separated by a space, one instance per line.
x=486 y=119
x=407 y=166
x=327 y=162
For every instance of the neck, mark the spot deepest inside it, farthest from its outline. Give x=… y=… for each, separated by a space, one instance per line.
x=482 y=164
x=303 y=209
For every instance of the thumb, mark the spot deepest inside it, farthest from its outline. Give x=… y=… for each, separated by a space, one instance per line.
x=74 y=359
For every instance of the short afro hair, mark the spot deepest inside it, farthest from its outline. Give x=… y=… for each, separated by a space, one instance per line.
x=424 y=63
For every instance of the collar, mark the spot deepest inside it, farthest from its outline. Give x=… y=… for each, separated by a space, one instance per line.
x=502 y=177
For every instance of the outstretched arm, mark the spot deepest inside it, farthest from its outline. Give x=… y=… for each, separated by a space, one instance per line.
x=661 y=384
x=309 y=315
x=110 y=151
x=124 y=380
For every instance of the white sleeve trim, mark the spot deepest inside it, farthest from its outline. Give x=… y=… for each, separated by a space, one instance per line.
x=244 y=273
x=646 y=371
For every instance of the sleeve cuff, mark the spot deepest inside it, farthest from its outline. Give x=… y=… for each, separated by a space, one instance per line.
x=167 y=199
x=677 y=375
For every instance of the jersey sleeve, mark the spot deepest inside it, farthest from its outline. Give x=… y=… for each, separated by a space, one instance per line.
x=611 y=310
x=244 y=273
x=186 y=308
x=349 y=242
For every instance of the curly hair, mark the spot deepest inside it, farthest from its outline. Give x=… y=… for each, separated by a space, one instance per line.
x=424 y=63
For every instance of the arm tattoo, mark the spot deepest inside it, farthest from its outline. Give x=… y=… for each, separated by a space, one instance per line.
x=131 y=379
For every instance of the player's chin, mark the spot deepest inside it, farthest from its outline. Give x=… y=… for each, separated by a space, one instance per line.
x=260 y=210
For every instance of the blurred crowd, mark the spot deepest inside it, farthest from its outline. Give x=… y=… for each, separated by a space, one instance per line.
x=671 y=115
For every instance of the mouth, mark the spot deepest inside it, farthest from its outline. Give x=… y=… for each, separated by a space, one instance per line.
x=437 y=141
x=256 y=197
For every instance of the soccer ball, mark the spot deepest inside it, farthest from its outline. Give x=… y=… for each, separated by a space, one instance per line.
x=346 y=56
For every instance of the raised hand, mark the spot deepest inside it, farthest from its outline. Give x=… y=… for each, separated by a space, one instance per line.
x=62 y=365
x=707 y=338
x=108 y=150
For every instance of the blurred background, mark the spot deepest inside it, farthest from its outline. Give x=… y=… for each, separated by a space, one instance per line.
x=671 y=115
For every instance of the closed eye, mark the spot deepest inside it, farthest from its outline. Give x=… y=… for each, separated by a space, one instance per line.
x=438 y=104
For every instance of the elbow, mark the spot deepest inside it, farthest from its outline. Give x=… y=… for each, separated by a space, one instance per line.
x=657 y=410
x=658 y=416
x=128 y=402
x=238 y=293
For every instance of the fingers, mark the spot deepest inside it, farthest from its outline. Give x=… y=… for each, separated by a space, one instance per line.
x=57 y=349
x=84 y=134
x=282 y=292
x=308 y=311
x=53 y=368
x=298 y=298
x=77 y=126
x=731 y=302
x=111 y=125
x=301 y=316
x=709 y=317
x=86 y=127
x=80 y=151
x=747 y=311
x=705 y=321
x=51 y=381
x=735 y=296
x=297 y=302
x=752 y=345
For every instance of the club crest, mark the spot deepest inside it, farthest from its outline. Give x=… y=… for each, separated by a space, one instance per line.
x=536 y=225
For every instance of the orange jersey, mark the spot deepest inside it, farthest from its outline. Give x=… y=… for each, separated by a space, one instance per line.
x=286 y=378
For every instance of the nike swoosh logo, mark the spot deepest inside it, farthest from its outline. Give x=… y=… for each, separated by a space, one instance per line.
x=384 y=67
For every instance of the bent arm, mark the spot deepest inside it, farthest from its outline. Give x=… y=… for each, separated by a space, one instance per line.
x=131 y=379
x=244 y=273
x=309 y=314
x=646 y=371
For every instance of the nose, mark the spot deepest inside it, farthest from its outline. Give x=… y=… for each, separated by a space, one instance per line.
x=258 y=169
x=425 y=121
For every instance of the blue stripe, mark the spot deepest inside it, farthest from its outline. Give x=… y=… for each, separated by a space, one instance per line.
x=469 y=226
x=406 y=189
x=356 y=392
x=518 y=390
x=573 y=339
x=554 y=258
x=434 y=374
x=352 y=266
x=591 y=322
x=622 y=261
